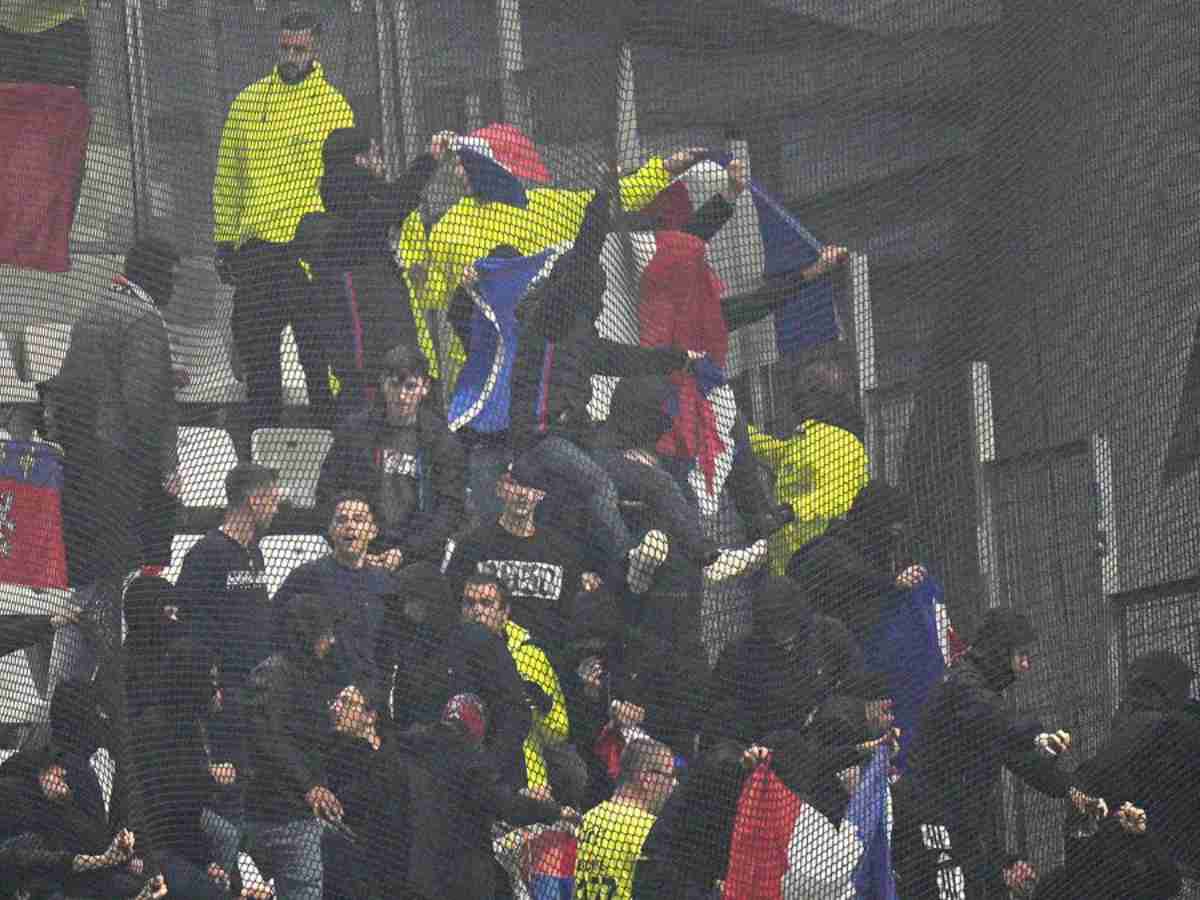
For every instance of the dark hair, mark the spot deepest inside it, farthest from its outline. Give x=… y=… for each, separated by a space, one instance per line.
x=488 y=581
x=148 y=264
x=301 y=20
x=404 y=360
x=246 y=478
x=350 y=497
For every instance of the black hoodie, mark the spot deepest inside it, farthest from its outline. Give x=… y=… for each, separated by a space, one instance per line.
x=967 y=734
x=849 y=572
x=287 y=710
x=347 y=246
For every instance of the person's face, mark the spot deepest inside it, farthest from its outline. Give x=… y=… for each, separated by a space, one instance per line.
x=324 y=645
x=519 y=501
x=349 y=712
x=372 y=160
x=880 y=716
x=352 y=529
x=297 y=51
x=404 y=393
x=53 y=782
x=482 y=605
x=1021 y=661
x=659 y=781
x=264 y=503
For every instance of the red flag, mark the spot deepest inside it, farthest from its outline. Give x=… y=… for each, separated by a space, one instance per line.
x=31 y=538
x=43 y=141
x=762 y=829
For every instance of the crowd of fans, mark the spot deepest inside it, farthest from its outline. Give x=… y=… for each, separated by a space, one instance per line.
x=494 y=683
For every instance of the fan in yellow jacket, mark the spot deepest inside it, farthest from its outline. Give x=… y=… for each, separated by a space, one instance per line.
x=268 y=177
x=472 y=228
x=818 y=472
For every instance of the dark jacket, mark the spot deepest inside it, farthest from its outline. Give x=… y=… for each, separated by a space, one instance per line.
x=560 y=349
x=354 y=463
x=1151 y=757
x=466 y=659
x=759 y=685
x=456 y=793
x=287 y=710
x=347 y=246
x=967 y=735
x=1113 y=865
x=169 y=757
x=849 y=572
x=113 y=411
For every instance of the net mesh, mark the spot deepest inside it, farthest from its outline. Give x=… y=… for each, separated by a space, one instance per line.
x=646 y=449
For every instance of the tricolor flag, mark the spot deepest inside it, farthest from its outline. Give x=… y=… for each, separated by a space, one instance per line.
x=496 y=158
x=784 y=849
x=913 y=647
x=43 y=142
x=761 y=245
x=550 y=874
x=31 y=537
x=482 y=392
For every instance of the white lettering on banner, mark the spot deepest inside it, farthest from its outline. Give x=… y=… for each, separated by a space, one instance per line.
x=246 y=578
x=542 y=581
x=398 y=463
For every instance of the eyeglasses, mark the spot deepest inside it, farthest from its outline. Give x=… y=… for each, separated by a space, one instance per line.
x=406 y=383
x=669 y=775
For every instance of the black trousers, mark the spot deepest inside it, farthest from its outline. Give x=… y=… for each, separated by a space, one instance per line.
x=61 y=55
x=271 y=292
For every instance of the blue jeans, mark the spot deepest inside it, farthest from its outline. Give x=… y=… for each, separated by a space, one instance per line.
x=291 y=854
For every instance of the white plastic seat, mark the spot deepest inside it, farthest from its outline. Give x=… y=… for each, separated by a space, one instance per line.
x=296 y=454
x=282 y=553
x=12 y=388
x=181 y=544
x=295 y=388
x=46 y=345
x=20 y=699
x=205 y=457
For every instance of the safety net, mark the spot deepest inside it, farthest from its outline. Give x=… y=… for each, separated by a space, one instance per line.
x=599 y=448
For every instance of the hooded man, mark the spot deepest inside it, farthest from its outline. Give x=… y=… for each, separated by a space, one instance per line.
x=966 y=735
x=775 y=678
x=112 y=408
x=1150 y=757
x=288 y=800
x=350 y=258
x=853 y=571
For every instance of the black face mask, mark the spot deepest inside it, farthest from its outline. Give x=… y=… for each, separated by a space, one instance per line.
x=290 y=73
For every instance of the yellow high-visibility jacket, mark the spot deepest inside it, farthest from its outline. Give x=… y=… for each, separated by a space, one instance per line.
x=548 y=728
x=471 y=228
x=32 y=16
x=818 y=473
x=269 y=165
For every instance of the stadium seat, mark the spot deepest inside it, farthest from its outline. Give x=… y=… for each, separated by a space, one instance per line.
x=21 y=699
x=12 y=388
x=297 y=454
x=284 y=552
x=180 y=545
x=295 y=388
x=46 y=346
x=205 y=457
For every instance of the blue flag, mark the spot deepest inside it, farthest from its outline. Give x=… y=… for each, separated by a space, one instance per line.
x=482 y=393
x=869 y=812
x=906 y=648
